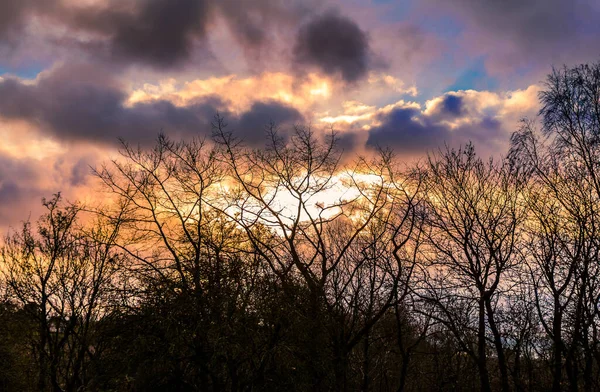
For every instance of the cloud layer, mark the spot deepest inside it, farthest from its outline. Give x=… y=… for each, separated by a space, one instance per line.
x=82 y=103
x=76 y=75
x=161 y=34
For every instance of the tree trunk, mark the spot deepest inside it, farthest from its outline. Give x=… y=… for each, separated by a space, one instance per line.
x=572 y=370
x=366 y=363
x=519 y=387
x=557 y=342
x=498 y=345
x=484 y=378
x=403 y=372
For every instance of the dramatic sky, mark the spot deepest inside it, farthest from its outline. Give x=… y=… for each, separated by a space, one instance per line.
x=75 y=75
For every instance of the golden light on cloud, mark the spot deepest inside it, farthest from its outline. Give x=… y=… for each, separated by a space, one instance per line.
x=392 y=83
x=22 y=140
x=349 y=119
x=323 y=90
x=522 y=100
x=509 y=106
x=241 y=93
x=357 y=112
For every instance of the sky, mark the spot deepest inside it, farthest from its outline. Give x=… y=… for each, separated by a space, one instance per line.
x=414 y=75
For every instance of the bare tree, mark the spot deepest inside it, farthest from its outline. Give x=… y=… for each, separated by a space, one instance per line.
x=183 y=248
x=474 y=217
x=348 y=251
x=62 y=274
x=563 y=162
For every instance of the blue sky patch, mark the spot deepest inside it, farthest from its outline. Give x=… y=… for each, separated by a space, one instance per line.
x=475 y=77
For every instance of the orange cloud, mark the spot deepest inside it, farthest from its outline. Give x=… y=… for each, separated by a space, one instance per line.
x=241 y=92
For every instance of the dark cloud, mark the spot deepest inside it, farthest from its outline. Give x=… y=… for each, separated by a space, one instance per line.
x=408 y=130
x=154 y=32
x=161 y=32
x=158 y=33
x=349 y=140
x=453 y=104
x=335 y=45
x=252 y=125
x=80 y=103
x=14 y=14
